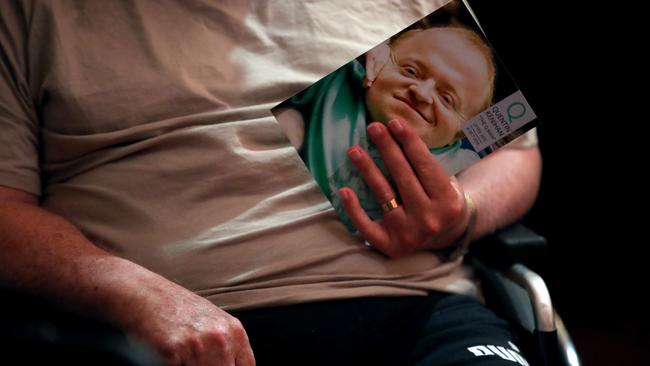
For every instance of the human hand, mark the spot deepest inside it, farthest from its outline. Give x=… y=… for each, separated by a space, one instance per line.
x=186 y=329
x=433 y=212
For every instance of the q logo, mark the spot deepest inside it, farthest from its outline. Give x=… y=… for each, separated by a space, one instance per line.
x=516 y=110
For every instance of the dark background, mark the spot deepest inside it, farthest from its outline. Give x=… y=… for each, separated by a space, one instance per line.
x=576 y=66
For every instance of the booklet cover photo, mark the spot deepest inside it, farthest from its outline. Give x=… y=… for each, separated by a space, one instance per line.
x=440 y=75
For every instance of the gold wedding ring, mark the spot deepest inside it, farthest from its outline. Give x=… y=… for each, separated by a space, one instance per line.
x=390 y=205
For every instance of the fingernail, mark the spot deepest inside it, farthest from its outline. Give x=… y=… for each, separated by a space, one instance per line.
x=374 y=130
x=343 y=194
x=396 y=125
x=354 y=153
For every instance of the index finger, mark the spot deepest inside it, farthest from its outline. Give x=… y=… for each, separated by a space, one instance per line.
x=431 y=173
x=245 y=358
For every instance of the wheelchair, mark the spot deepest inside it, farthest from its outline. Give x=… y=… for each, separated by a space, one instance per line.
x=510 y=289
x=519 y=295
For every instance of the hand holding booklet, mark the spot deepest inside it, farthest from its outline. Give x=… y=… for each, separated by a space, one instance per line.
x=440 y=75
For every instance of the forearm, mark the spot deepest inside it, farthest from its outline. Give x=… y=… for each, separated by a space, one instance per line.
x=44 y=254
x=504 y=186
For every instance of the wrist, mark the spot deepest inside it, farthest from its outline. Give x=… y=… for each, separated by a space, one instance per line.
x=461 y=246
x=115 y=289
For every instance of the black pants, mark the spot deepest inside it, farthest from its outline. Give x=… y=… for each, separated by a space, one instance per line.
x=439 y=329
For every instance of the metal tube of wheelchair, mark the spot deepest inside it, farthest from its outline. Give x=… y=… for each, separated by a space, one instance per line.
x=539 y=296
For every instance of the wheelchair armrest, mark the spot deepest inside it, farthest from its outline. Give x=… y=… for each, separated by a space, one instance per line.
x=510 y=245
x=519 y=295
x=501 y=260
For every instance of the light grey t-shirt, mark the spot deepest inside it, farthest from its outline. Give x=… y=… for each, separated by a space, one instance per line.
x=147 y=124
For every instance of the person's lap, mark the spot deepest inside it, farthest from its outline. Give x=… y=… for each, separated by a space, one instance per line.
x=440 y=329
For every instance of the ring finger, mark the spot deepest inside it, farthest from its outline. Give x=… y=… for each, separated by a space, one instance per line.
x=413 y=195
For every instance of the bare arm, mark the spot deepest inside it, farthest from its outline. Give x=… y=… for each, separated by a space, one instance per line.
x=44 y=254
x=504 y=186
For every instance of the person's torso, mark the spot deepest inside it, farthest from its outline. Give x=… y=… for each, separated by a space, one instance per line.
x=158 y=141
